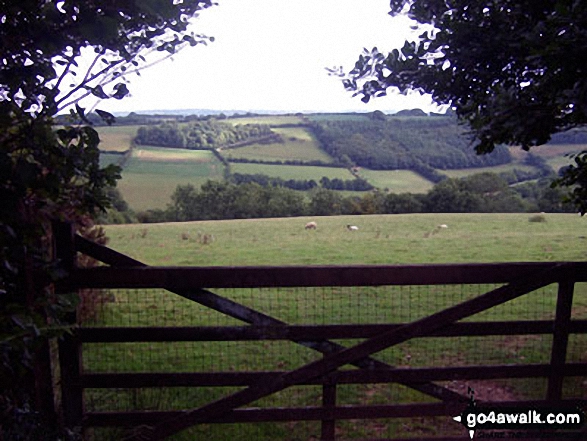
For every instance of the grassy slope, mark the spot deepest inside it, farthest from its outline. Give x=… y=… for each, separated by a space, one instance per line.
x=116 y=138
x=397 y=181
x=382 y=239
x=461 y=173
x=271 y=120
x=292 y=171
x=299 y=144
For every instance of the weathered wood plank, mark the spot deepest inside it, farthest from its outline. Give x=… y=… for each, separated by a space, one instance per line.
x=182 y=278
x=560 y=338
x=359 y=376
x=257 y=415
x=309 y=332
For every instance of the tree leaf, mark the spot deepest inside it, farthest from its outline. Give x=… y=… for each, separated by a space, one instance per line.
x=121 y=91
x=82 y=114
x=107 y=117
x=99 y=92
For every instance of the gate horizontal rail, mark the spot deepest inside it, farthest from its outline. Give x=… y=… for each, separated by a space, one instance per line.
x=314 y=276
x=303 y=332
x=223 y=379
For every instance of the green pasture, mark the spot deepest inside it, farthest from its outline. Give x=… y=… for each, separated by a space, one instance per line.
x=550 y=151
x=152 y=173
x=298 y=144
x=338 y=117
x=397 y=181
x=291 y=171
x=116 y=138
x=381 y=239
x=110 y=158
x=462 y=173
x=270 y=120
x=555 y=155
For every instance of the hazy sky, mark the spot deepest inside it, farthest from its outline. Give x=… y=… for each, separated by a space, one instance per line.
x=272 y=55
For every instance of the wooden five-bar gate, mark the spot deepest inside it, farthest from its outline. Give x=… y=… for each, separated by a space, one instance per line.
x=194 y=283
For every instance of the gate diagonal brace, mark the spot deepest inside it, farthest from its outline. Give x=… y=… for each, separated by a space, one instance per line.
x=251 y=316
x=329 y=363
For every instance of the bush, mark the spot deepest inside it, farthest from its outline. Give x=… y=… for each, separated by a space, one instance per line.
x=537 y=218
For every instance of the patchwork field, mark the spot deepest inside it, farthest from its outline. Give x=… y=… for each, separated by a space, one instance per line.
x=397 y=181
x=116 y=138
x=152 y=173
x=298 y=144
x=292 y=171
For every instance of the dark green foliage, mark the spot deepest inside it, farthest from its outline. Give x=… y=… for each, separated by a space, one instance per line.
x=513 y=71
x=259 y=198
x=314 y=162
x=545 y=197
x=480 y=193
x=209 y=134
x=219 y=200
x=575 y=176
x=118 y=212
x=403 y=203
x=419 y=144
x=48 y=174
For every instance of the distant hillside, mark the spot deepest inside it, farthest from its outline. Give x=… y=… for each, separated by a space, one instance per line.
x=403 y=142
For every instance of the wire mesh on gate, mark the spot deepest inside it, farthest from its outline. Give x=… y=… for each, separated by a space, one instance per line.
x=310 y=306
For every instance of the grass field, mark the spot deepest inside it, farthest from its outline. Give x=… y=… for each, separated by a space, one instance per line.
x=110 y=158
x=152 y=173
x=116 y=138
x=462 y=173
x=299 y=144
x=271 y=120
x=338 y=117
x=381 y=239
x=292 y=171
x=556 y=155
x=397 y=181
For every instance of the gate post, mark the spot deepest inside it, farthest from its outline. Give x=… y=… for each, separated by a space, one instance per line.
x=328 y=403
x=560 y=339
x=70 y=360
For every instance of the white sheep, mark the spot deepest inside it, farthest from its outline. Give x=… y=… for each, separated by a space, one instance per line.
x=443 y=226
x=352 y=228
x=311 y=226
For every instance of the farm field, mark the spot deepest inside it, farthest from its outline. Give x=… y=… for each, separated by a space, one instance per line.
x=397 y=181
x=152 y=173
x=299 y=145
x=338 y=117
x=116 y=138
x=381 y=239
x=107 y=158
x=461 y=173
x=291 y=171
x=271 y=120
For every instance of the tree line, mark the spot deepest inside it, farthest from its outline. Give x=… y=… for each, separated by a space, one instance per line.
x=358 y=184
x=199 y=134
x=481 y=193
x=403 y=143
